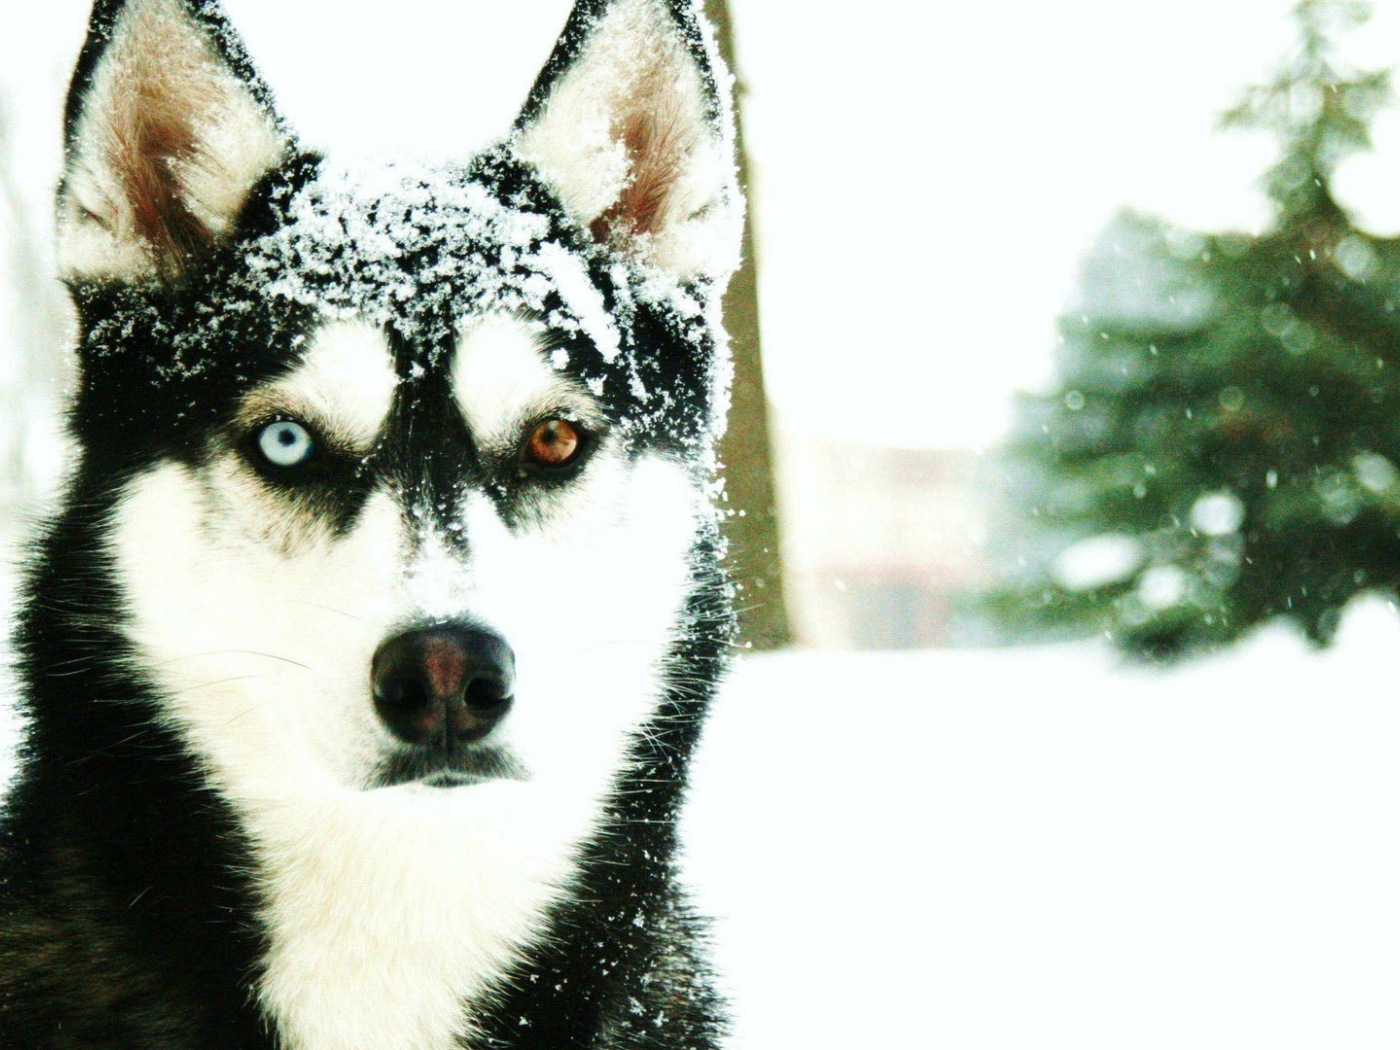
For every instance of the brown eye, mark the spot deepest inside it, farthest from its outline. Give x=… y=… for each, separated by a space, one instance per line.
x=553 y=443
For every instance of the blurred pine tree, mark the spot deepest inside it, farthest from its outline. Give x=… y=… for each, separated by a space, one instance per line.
x=1222 y=444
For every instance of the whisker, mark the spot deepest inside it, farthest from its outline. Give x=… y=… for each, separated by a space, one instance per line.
x=244 y=714
x=326 y=608
x=245 y=652
x=219 y=681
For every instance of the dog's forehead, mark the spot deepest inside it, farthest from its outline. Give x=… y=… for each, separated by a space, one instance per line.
x=426 y=248
x=479 y=290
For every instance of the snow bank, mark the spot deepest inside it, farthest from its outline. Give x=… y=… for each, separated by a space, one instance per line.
x=1036 y=848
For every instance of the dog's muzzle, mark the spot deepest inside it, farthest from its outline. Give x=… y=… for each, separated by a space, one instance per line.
x=444 y=685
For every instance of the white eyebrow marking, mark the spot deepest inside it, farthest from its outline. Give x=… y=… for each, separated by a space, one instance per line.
x=500 y=374
x=345 y=383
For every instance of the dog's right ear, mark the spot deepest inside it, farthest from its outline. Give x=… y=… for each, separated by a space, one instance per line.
x=167 y=130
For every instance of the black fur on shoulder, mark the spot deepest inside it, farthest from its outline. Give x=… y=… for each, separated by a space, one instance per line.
x=126 y=913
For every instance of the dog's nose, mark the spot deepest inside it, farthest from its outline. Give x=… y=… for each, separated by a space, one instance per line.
x=444 y=684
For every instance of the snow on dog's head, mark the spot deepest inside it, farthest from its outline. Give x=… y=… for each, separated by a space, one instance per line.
x=379 y=439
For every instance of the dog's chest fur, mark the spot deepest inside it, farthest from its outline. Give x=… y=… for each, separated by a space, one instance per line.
x=387 y=913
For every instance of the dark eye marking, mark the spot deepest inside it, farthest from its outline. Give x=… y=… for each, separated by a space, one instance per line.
x=316 y=474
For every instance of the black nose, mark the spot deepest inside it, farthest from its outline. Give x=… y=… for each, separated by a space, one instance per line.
x=444 y=684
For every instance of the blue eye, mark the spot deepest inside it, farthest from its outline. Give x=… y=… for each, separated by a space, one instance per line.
x=285 y=444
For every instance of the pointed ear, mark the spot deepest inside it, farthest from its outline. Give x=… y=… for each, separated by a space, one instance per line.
x=630 y=124
x=168 y=128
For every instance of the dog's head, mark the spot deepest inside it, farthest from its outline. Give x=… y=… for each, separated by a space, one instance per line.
x=407 y=469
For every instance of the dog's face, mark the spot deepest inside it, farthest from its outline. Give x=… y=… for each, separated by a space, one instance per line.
x=409 y=466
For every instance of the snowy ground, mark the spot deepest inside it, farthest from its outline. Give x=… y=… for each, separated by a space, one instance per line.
x=1031 y=848
x=1034 y=848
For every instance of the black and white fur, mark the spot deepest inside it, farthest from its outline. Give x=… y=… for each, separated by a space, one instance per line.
x=213 y=841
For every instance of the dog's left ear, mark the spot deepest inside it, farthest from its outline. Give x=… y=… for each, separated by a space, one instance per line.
x=168 y=129
x=630 y=124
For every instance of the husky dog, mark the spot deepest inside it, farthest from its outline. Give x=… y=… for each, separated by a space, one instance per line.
x=365 y=657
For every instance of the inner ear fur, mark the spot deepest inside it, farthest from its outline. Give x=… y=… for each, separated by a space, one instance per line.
x=630 y=124
x=169 y=129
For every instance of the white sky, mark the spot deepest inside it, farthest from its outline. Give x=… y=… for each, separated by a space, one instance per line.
x=1023 y=128
x=926 y=175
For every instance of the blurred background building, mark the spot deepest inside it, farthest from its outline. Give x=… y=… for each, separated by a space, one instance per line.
x=879 y=542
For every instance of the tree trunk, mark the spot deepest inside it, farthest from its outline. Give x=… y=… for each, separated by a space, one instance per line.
x=755 y=556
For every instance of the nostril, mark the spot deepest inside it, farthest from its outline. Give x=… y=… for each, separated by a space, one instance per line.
x=407 y=706
x=483 y=694
x=402 y=692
